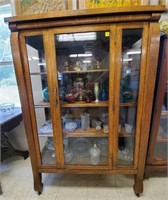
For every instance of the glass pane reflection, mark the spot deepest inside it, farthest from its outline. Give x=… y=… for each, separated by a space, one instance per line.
x=129 y=88
x=41 y=101
x=83 y=74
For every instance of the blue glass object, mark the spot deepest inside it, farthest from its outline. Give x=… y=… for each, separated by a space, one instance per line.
x=45 y=95
x=104 y=95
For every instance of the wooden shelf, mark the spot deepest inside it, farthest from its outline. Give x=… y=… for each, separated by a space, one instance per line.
x=84 y=104
x=84 y=71
x=128 y=104
x=123 y=133
x=38 y=73
x=92 y=132
x=42 y=104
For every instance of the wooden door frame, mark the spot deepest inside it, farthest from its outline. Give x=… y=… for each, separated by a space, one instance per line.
x=140 y=104
x=76 y=29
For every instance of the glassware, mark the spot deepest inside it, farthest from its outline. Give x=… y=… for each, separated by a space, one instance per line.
x=94 y=155
x=45 y=95
x=96 y=91
x=105 y=128
x=68 y=154
x=104 y=95
x=85 y=121
x=102 y=143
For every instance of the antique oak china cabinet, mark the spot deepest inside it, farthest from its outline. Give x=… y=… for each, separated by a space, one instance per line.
x=86 y=81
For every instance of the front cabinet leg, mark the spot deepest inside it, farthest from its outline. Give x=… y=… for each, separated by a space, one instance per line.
x=138 y=185
x=38 y=185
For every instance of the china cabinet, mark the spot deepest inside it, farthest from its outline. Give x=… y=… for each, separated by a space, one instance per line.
x=158 y=142
x=86 y=81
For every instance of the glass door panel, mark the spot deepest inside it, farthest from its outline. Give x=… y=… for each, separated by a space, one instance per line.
x=161 y=147
x=83 y=76
x=129 y=88
x=41 y=101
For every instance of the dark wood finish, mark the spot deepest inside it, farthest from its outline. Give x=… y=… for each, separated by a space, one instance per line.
x=153 y=165
x=110 y=19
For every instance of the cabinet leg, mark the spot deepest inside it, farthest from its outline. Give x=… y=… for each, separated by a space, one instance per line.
x=138 y=185
x=38 y=186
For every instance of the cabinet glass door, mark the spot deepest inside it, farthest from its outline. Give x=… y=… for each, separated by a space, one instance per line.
x=129 y=89
x=42 y=124
x=83 y=79
x=161 y=146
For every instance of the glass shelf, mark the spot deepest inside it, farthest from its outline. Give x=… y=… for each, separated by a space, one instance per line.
x=42 y=104
x=38 y=73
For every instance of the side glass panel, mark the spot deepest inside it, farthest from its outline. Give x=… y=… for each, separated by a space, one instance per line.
x=83 y=75
x=38 y=76
x=129 y=87
x=161 y=147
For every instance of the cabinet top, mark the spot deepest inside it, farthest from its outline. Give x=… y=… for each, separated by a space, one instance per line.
x=153 y=12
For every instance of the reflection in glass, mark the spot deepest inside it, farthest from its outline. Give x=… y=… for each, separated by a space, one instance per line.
x=40 y=91
x=83 y=75
x=161 y=147
x=129 y=88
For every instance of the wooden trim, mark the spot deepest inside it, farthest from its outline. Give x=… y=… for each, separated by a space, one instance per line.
x=80 y=21
x=25 y=66
x=116 y=105
x=87 y=171
x=141 y=93
x=141 y=88
x=16 y=52
x=56 y=112
x=89 y=12
x=80 y=29
x=49 y=47
x=111 y=114
x=151 y=66
x=92 y=132
x=150 y=170
x=84 y=104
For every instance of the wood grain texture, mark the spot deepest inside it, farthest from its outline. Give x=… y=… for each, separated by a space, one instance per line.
x=50 y=50
x=88 y=12
x=151 y=66
x=17 y=59
x=114 y=21
x=25 y=66
x=111 y=113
